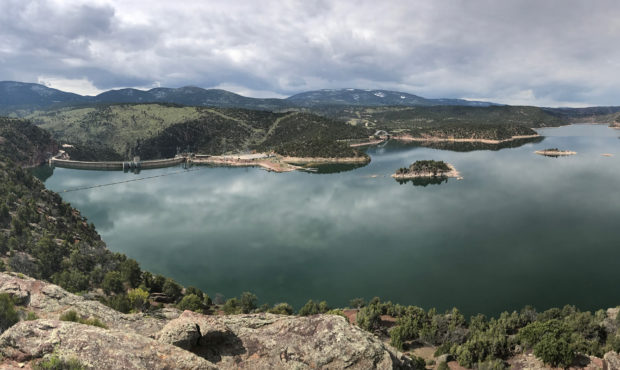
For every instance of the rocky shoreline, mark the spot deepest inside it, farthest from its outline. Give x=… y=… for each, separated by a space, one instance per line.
x=408 y=138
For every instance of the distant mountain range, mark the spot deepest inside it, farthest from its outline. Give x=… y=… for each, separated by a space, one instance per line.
x=20 y=95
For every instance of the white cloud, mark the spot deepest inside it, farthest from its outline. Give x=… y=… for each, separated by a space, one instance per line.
x=561 y=51
x=80 y=86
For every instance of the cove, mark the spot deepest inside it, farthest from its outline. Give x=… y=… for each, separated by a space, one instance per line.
x=519 y=229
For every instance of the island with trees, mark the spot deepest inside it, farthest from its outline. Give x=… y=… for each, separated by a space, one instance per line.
x=554 y=152
x=426 y=168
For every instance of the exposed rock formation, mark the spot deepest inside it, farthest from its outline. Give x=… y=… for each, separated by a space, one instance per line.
x=191 y=340
x=49 y=301
x=266 y=341
x=93 y=347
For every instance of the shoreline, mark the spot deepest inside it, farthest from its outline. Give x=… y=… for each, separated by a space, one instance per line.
x=413 y=175
x=409 y=138
x=555 y=153
x=324 y=160
x=275 y=163
x=367 y=143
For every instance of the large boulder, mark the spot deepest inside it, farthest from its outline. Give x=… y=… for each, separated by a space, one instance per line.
x=266 y=341
x=93 y=347
x=49 y=301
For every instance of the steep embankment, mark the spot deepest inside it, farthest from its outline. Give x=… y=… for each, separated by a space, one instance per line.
x=25 y=143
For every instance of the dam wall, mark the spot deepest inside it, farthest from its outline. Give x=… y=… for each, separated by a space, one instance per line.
x=116 y=165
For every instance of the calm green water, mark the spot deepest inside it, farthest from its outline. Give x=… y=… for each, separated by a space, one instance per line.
x=518 y=229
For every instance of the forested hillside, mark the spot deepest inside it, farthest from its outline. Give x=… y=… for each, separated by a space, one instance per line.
x=158 y=131
x=494 y=122
x=27 y=144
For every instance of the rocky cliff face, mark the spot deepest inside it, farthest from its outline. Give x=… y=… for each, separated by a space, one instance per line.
x=181 y=340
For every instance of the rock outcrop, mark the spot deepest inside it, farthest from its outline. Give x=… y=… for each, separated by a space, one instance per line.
x=50 y=301
x=267 y=341
x=93 y=347
x=191 y=340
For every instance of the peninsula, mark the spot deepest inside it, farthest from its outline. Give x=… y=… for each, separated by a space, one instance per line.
x=426 y=168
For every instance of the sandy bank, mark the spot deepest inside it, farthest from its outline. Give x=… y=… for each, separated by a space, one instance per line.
x=412 y=175
x=367 y=143
x=274 y=163
x=323 y=160
x=455 y=140
x=271 y=164
x=555 y=153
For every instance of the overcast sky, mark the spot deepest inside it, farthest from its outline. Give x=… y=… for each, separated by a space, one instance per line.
x=551 y=53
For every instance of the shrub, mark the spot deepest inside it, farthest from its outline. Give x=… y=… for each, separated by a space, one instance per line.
x=310 y=308
x=232 y=306
x=130 y=272
x=443 y=366
x=119 y=302
x=337 y=312
x=492 y=365
x=138 y=299
x=194 y=290
x=72 y=280
x=282 y=309
x=55 y=363
x=172 y=289
x=191 y=302
x=357 y=303
x=418 y=363
x=248 y=302
x=554 y=351
x=8 y=315
x=113 y=283
x=30 y=316
x=550 y=340
x=74 y=317
x=369 y=317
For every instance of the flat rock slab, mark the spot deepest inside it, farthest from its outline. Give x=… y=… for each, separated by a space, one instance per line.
x=94 y=347
x=267 y=341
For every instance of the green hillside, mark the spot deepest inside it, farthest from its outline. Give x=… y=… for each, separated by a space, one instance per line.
x=494 y=122
x=25 y=143
x=157 y=131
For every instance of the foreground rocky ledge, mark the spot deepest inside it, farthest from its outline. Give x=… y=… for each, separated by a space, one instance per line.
x=182 y=340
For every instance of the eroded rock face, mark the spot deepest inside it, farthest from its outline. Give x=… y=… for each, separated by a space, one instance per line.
x=94 y=347
x=266 y=341
x=49 y=301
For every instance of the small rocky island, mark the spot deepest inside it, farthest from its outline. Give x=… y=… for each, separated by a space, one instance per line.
x=426 y=168
x=554 y=152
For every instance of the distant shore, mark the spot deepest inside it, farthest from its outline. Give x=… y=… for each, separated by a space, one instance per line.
x=461 y=140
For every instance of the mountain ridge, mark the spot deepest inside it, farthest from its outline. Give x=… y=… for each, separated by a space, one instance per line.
x=16 y=95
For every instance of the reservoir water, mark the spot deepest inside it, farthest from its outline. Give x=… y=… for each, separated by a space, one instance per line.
x=518 y=229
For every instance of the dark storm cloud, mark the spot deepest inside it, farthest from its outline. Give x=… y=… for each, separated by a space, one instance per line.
x=520 y=51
